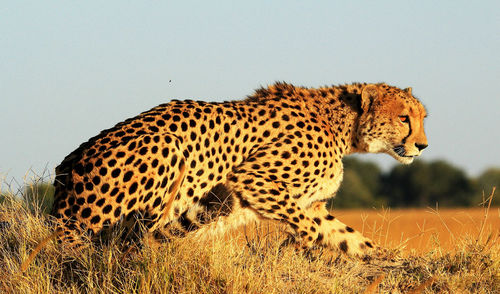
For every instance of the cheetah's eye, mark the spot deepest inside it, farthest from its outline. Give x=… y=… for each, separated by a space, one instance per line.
x=404 y=118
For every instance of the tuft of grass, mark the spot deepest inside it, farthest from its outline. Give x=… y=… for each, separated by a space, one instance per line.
x=244 y=261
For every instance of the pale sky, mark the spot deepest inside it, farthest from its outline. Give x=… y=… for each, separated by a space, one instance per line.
x=71 y=69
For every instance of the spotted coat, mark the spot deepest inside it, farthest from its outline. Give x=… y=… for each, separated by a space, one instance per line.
x=201 y=167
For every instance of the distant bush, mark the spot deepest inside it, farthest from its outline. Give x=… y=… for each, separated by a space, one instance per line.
x=420 y=184
x=360 y=186
x=485 y=183
x=39 y=196
x=427 y=183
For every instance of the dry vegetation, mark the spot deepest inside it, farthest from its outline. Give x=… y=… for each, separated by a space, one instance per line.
x=251 y=261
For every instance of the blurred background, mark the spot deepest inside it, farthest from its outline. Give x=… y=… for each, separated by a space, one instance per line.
x=69 y=70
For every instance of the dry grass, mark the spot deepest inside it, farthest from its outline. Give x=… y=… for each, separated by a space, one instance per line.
x=250 y=261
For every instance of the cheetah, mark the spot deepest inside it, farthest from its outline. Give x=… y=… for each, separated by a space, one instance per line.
x=192 y=167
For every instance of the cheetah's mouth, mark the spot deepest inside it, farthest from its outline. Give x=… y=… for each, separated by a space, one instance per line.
x=399 y=153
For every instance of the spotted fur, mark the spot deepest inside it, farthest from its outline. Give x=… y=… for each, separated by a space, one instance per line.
x=200 y=167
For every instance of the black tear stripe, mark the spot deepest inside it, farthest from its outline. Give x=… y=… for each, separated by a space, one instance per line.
x=409 y=132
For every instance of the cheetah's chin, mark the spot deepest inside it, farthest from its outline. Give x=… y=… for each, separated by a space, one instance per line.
x=404 y=159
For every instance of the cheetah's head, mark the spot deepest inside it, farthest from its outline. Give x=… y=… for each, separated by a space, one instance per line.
x=392 y=122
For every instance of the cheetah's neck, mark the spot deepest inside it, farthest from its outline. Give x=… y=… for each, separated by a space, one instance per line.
x=336 y=108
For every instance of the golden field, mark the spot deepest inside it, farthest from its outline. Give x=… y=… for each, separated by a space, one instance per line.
x=422 y=230
x=444 y=251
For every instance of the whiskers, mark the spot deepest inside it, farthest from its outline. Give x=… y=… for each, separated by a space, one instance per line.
x=400 y=150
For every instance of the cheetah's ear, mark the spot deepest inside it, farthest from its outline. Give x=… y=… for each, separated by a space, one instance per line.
x=369 y=93
x=408 y=90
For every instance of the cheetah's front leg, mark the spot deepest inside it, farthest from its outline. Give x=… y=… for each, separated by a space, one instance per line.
x=338 y=235
x=313 y=226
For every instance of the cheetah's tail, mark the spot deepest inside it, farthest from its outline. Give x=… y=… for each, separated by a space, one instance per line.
x=174 y=188
x=40 y=246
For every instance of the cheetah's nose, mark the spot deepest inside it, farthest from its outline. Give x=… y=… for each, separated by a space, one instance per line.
x=421 y=146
